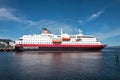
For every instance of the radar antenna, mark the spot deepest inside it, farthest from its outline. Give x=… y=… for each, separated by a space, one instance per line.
x=61 y=31
x=80 y=32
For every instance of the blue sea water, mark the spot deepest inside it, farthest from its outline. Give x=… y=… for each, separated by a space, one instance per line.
x=103 y=65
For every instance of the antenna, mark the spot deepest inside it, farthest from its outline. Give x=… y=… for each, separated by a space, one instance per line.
x=80 y=32
x=61 y=31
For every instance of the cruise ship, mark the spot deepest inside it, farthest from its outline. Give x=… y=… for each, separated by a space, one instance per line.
x=46 y=41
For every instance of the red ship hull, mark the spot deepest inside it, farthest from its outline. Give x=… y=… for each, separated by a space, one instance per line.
x=58 y=47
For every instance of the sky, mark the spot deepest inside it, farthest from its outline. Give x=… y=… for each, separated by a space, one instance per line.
x=100 y=18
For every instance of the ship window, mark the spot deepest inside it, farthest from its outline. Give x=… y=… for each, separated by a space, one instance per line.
x=72 y=36
x=78 y=36
x=58 y=36
x=86 y=37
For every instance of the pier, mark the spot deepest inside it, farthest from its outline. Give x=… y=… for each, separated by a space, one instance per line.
x=7 y=49
x=7 y=45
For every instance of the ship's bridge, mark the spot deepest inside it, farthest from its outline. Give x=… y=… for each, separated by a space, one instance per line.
x=65 y=35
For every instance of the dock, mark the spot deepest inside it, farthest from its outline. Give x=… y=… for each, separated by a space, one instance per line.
x=7 y=49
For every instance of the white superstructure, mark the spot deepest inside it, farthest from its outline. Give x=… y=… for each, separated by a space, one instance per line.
x=47 y=38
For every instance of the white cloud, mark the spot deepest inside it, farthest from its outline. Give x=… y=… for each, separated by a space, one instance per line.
x=108 y=34
x=7 y=14
x=92 y=17
x=95 y=15
x=54 y=26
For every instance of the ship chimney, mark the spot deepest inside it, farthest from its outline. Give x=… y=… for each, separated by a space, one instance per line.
x=45 y=31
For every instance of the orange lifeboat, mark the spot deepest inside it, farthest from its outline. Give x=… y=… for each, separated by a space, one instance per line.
x=66 y=38
x=56 y=41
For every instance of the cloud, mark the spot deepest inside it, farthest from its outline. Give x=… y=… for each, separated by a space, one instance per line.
x=54 y=26
x=92 y=17
x=109 y=34
x=95 y=15
x=7 y=14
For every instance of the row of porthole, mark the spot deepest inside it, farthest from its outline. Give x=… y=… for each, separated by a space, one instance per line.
x=50 y=43
x=34 y=42
x=37 y=39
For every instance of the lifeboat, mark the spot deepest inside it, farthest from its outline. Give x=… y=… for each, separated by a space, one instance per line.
x=57 y=41
x=66 y=38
